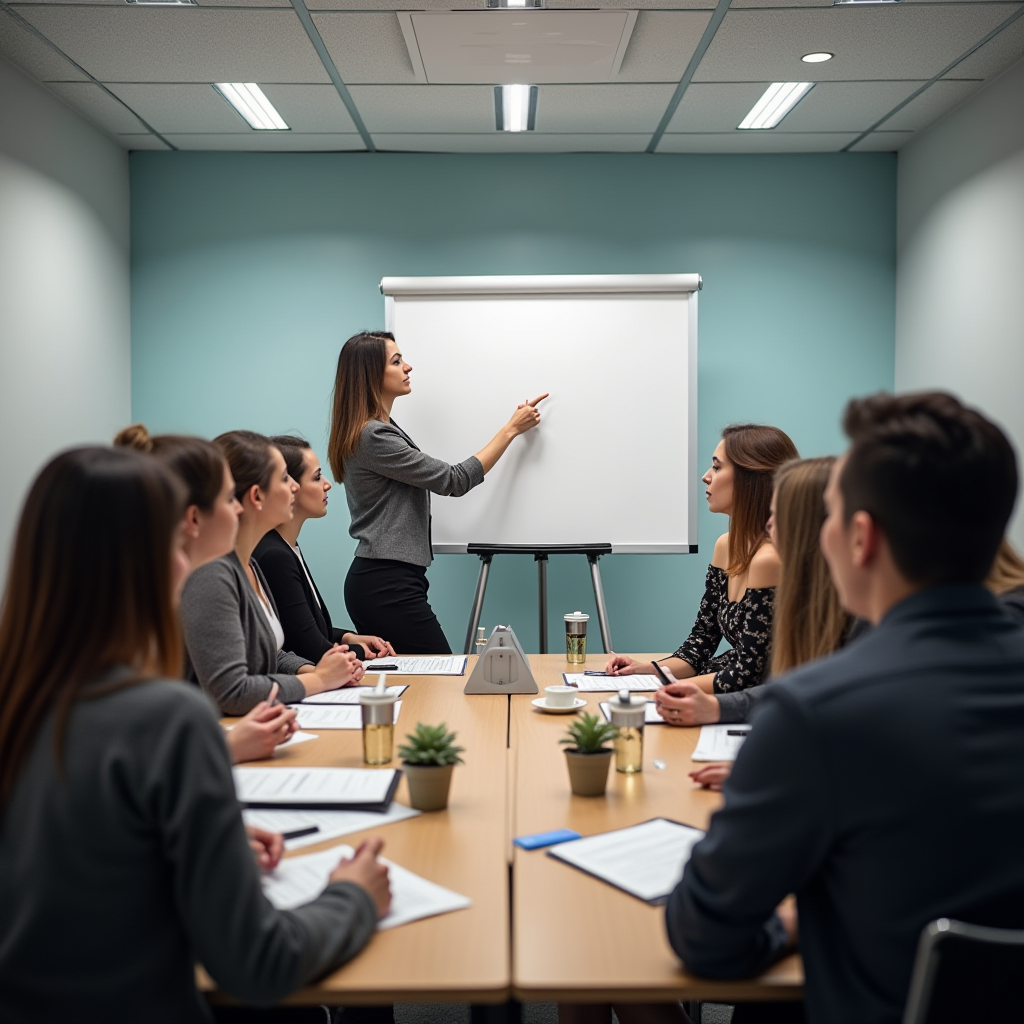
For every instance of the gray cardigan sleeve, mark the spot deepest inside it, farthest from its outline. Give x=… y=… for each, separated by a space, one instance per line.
x=385 y=450
x=222 y=658
x=738 y=705
x=253 y=951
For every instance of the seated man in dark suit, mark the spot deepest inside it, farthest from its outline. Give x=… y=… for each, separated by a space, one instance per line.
x=884 y=785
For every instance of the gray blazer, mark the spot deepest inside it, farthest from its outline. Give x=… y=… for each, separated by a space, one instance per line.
x=230 y=648
x=388 y=481
x=121 y=870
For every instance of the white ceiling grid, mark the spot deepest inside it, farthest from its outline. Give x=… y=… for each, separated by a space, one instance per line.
x=144 y=74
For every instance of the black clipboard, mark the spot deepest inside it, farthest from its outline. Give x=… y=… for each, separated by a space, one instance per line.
x=377 y=808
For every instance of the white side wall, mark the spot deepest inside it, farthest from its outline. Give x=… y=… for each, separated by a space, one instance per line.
x=64 y=297
x=960 y=264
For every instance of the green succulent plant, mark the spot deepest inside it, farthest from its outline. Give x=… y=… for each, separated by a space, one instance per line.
x=431 y=744
x=588 y=734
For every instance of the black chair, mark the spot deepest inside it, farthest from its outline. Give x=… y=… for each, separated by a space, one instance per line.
x=966 y=973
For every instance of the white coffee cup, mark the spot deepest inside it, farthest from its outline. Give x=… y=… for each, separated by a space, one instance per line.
x=559 y=696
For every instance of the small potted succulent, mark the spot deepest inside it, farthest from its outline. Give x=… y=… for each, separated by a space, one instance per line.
x=587 y=756
x=428 y=759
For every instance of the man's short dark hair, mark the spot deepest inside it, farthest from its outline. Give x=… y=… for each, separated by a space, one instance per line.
x=938 y=478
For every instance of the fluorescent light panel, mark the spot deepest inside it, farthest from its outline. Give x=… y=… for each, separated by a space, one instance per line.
x=515 y=107
x=248 y=99
x=515 y=4
x=163 y=3
x=778 y=100
x=817 y=58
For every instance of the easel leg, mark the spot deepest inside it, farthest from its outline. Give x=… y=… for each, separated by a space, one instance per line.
x=602 y=610
x=478 y=602
x=542 y=599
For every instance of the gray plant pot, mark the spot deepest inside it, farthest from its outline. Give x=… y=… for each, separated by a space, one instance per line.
x=428 y=785
x=588 y=773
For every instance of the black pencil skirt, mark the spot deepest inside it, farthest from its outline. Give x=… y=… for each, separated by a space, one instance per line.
x=388 y=599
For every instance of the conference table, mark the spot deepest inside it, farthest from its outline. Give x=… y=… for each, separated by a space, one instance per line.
x=537 y=929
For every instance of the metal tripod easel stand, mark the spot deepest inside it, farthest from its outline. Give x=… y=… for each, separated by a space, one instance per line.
x=540 y=552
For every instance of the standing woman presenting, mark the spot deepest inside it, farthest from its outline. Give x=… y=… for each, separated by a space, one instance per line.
x=388 y=481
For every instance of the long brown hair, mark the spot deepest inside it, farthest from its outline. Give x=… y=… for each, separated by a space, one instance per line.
x=755 y=452
x=808 y=621
x=358 y=394
x=89 y=587
x=199 y=464
x=1007 y=571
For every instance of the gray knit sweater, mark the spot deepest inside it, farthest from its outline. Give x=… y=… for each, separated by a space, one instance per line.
x=388 y=481
x=230 y=648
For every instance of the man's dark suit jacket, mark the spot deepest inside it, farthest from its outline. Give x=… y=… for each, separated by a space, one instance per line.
x=885 y=787
x=304 y=616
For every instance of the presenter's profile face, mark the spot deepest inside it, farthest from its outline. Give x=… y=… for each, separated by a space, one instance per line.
x=718 y=482
x=279 y=503
x=311 y=500
x=396 y=373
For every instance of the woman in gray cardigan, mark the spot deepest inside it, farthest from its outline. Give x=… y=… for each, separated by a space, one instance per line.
x=233 y=634
x=123 y=859
x=388 y=481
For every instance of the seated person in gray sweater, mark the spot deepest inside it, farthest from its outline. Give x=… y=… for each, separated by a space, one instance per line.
x=123 y=859
x=233 y=633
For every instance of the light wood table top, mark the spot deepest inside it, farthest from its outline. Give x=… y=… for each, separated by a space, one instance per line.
x=576 y=938
x=461 y=956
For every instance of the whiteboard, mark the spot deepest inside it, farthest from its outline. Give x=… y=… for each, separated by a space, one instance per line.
x=614 y=460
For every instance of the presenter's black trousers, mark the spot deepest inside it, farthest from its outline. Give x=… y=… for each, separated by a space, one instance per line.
x=388 y=599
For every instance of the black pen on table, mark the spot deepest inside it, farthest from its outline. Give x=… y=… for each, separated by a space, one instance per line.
x=736 y=732
x=300 y=832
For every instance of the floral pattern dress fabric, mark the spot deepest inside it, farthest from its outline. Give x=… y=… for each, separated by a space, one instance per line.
x=746 y=624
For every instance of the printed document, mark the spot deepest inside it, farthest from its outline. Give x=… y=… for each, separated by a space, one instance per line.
x=715 y=743
x=329 y=824
x=318 y=787
x=651 y=716
x=297 y=880
x=336 y=716
x=644 y=860
x=597 y=684
x=449 y=665
x=349 y=695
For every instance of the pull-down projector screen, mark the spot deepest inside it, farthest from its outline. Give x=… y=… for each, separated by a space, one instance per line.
x=614 y=458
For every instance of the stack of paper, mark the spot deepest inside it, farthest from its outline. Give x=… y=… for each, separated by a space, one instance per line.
x=450 y=665
x=598 y=683
x=651 y=716
x=338 y=789
x=720 y=742
x=297 y=880
x=349 y=695
x=342 y=715
x=644 y=860
x=328 y=824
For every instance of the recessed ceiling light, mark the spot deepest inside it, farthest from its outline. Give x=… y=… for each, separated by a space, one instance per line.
x=248 y=99
x=816 y=58
x=163 y=3
x=515 y=4
x=778 y=100
x=837 y=3
x=515 y=107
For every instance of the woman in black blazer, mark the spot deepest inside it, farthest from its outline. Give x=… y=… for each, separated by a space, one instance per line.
x=308 y=630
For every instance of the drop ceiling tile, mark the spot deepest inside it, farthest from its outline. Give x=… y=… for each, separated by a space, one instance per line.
x=181 y=108
x=892 y=41
x=756 y=142
x=21 y=47
x=270 y=142
x=615 y=109
x=243 y=3
x=661 y=45
x=935 y=101
x=149 y=142
x=395 y=5
x=366 y=48
x=882 y=142
x=845 y=106
x=311 y=109
x=99 y=107
x=425 y=108
x=996 y=55
x=715 y=107
x=633 y=5
x=509 y=142
x=164 y=44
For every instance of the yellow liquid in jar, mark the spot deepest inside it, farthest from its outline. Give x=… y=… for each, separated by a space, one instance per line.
x=378 y=741
x=629 y=750
x=575 y=648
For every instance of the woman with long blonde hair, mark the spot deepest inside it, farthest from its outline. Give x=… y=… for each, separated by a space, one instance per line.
x=1006 y=580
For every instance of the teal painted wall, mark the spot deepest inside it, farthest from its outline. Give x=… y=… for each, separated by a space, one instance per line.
x=250 y=270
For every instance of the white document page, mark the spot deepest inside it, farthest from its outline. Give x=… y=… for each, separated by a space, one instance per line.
x=297 y=737
x=720 y=742
x=651 y=716
x=598 y=684
x=326 y=786
x=349 y=695
x=336 y=716
x=298 y=880
x=329 y=824
x=449 y=665
x=645 y=860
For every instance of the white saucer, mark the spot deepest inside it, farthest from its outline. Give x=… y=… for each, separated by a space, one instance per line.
x=540 y=702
